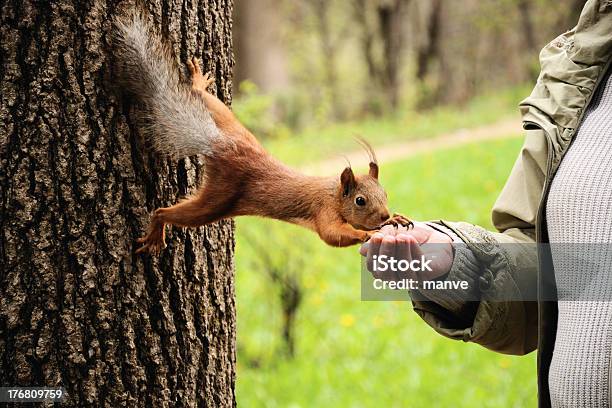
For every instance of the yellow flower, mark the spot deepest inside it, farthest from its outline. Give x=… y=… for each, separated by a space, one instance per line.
x=505 y=363
x=347 y=320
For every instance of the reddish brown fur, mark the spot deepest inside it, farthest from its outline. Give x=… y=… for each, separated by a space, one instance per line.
x=245 y=180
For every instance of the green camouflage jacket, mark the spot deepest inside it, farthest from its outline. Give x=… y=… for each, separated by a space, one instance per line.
x=572 y=66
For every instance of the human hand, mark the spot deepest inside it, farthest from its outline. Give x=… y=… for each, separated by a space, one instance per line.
x=410 y=244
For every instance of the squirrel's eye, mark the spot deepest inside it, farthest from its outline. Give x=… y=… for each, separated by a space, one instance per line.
x=360 y=201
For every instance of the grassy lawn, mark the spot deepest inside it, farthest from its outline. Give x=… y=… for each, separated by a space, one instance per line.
x=315 y=144
x=351 y=353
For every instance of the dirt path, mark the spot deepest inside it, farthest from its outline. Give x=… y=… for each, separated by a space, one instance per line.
x=399 y=151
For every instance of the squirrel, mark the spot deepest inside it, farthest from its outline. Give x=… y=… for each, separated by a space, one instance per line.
x=241 y=177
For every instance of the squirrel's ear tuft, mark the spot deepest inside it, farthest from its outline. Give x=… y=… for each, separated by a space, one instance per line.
x=374 y=170
x=347 y=180
x=373 y=162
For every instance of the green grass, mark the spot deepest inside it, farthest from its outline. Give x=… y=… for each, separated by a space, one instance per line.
x=316 y=143
x=351 y=353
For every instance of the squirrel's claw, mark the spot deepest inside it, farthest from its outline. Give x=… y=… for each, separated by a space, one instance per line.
x=398 y=219
x=208 y=79
x=152 y=244
x=194 y=66
x=151 y=248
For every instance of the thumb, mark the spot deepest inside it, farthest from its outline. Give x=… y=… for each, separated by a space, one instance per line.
x=363 y=250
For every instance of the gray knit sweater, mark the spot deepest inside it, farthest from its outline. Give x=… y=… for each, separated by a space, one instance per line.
x=579 y=210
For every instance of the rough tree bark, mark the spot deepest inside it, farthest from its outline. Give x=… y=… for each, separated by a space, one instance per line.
x=78 y=308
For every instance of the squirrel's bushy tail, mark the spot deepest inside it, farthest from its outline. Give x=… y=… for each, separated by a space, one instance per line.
x=175 y=121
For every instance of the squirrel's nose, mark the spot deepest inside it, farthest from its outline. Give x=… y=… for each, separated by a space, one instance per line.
x=384 y=217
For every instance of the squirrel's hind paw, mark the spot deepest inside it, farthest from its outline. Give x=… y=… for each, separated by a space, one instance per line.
x=153 y=244
x=199 y=82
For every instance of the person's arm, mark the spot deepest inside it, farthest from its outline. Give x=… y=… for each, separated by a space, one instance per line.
x=494 y=270
x=500 y=312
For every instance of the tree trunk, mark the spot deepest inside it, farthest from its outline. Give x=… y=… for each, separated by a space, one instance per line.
x=390 y=17
x=429 y=50
x=366 y=40
x=329 y=50
x=78 y=308
x=258 y=47
x=524 y=8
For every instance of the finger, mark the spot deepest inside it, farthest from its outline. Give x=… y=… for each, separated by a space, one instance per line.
x=373 y=248
x=403 y=246
x=363 y=250
x=403 y=252
x=387 y=247
x=415 y=252
x=442 y=257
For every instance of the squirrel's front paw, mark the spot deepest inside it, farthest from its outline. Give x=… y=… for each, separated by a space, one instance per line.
x=153 y=242
x=398 y=219
x=368 y=235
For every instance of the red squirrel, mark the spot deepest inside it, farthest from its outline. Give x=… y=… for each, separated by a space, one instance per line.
x=241 y=177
